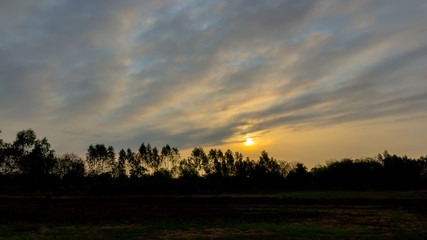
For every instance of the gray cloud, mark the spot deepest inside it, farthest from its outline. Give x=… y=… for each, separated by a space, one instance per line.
x=202 y=72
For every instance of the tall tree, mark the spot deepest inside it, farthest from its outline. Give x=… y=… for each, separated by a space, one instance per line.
x=1 y=143
x=69 y=165
x=228 y=163
x=3 y=161
x=170 y=158
x=193 y=164
x=2 y=158
x=100 y=159
x=244 y=168
x=214 y=165
x=145 y=155
x=137 y=170
x=32 y=156
x=267 y=164
x=154 y=160
x=119 y=168
x=298 y=174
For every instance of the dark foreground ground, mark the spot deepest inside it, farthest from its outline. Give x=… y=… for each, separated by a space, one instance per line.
x=289 y=215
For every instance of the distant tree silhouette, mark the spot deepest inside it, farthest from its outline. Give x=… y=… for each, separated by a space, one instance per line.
x=31 y=160
x=100 y=159
x=350 y=172
x=400 y=170
x=191 y=166
x=70 y=166
x=170 y=159
x=6 y=158
x=298 y=174
x=245 y=168
x=150 y=157
x=2 y=155
x=1 y=147
x=154 y=159
x=266 y=167
x=423 y=172
x=228 y=168
x=119 y=168
x=9 y=160
x=34 y=156
x=137 y=170
x=20 y=149
x=213 y=165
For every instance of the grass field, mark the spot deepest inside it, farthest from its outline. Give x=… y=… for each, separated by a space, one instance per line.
x=287 y=215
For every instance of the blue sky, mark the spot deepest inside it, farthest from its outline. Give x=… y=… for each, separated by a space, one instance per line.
x=307 y=80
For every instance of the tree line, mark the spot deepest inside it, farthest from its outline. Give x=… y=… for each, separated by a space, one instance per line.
x=30 y=162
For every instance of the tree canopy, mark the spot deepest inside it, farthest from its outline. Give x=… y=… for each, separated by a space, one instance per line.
x=31 y=158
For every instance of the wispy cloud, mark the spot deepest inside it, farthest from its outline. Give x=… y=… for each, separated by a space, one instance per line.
x=202 y=72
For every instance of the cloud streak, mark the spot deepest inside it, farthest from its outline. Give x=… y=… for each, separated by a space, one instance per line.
x=205 y=72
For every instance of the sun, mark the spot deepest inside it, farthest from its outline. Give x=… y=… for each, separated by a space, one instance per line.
x=249 y=141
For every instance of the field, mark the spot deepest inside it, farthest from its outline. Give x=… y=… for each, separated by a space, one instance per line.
x=287 y=215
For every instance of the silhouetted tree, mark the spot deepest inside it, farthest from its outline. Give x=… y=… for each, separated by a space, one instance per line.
x=245 y=168
x=155 y=160
x=267 y=165
x=34 y=156
x=348 y=171
x=400 y=170
x=9 y=160
x=228 y=164
x=170 y=159
x=1 y=149
x=213 y=164
x=100 y=159
x=119 y=167
x=2 y=156
x=8 y=155
x=69 y=165
x=423 y=172
x=154 y=169
x=135 y=163
x=298 y=174
x=192 y=165
x=20 y=149
x=149 y=157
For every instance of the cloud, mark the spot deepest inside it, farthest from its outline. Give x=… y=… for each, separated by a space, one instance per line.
x=203 y=72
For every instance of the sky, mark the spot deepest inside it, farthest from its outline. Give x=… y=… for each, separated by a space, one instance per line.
x=308 y=81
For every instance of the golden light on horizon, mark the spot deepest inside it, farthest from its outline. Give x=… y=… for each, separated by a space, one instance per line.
x=249 y=141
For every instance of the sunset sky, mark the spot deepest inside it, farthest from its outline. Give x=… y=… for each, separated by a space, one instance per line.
x=307 y=81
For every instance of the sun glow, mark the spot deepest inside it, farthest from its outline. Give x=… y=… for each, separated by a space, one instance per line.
x=249 y=141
